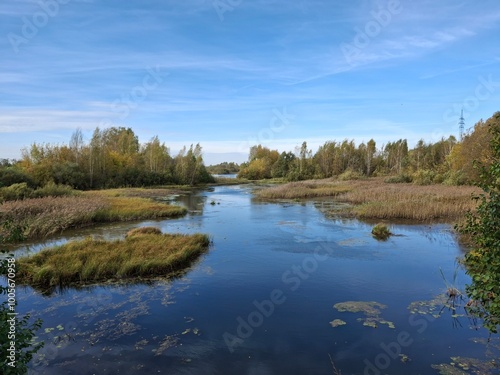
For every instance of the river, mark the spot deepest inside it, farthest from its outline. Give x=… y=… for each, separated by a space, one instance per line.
x=261 y=301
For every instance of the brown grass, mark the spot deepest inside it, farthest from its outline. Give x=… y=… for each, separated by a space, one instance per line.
x=47 y=216
x=304 y=189
x=91 y=260
x=142 y=230
x=374 y=199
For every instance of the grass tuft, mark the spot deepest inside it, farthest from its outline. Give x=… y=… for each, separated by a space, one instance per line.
x=142 y=230
x=381 y=232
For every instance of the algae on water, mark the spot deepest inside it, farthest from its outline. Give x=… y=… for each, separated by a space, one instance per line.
x=371 y=310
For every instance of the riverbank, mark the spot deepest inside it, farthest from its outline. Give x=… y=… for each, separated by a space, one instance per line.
x=372 y=198
x=43 y=217
x=142 y=254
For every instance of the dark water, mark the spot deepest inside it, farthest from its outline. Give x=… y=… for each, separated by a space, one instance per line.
x=261 y=301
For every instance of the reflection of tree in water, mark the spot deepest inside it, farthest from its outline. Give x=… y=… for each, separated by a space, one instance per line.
x=194 y=202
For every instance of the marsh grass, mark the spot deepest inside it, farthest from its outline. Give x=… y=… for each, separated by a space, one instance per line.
x=373 y=199
x=378 y=200
x=91 y=260
x=304 y=189
x=42 y=217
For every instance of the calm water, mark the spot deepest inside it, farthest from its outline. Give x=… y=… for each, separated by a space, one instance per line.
x=261 y=300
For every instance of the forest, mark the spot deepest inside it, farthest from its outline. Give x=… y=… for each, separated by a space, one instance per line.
x=448 y=161
x=113 y=157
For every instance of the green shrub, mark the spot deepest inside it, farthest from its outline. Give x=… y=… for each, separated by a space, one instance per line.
x=399 y=179
x=54 y=190
x=15 y=192
x=424 y=177
x=349 y=174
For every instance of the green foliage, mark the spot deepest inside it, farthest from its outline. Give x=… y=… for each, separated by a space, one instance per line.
x=381 y=232
x=483 y=260
x=25 y=332
x=10 y=175
x=54 y=190
x=399 y=179
x=15 y=192
x=224 y=168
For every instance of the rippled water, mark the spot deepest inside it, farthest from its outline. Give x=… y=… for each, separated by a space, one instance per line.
x=261 y=300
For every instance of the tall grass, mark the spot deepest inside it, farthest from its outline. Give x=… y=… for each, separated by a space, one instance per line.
x=375 y=199
x=43 y=217
x=372 y=198
x=304 y=189
x=91 y=260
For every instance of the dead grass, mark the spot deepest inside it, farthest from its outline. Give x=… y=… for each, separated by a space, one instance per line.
x=304 y=189
x=42 y=217
x=374 y=199
x=91 y=260
x=379 y=200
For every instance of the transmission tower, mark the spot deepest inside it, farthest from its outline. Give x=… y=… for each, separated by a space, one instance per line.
x=461 y=125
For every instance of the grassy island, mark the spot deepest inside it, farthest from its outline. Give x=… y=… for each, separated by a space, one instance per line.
x=143 y=253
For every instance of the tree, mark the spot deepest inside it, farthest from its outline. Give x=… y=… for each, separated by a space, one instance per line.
x=483 y=261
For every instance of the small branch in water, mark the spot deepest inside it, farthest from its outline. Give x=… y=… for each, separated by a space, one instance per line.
x=335 y=371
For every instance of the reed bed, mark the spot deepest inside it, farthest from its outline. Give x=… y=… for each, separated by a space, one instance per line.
x=373 y=198
x=304 y=189
x=90 y=260
x=378 y=200
x=42 y=217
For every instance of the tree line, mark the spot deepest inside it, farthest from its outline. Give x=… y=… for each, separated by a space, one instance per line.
x=447 y=160
x=112 y=158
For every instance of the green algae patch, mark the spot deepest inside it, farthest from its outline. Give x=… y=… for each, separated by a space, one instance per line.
x=371 y=310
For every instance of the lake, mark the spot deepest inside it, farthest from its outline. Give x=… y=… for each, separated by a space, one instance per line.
x=261 y=301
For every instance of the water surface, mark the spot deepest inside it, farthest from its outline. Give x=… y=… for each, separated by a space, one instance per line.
x=261 y=300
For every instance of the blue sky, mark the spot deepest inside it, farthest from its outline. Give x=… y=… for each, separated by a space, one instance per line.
x=233 y=73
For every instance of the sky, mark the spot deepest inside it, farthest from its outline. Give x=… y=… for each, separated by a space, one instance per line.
x=230 y=74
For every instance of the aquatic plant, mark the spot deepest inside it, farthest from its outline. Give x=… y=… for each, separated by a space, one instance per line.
x=381 y=232
x=371 y=310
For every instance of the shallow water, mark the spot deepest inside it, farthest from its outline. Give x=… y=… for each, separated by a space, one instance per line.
x=261 y=300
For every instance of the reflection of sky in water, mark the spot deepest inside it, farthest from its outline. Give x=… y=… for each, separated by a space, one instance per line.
x=177 y=326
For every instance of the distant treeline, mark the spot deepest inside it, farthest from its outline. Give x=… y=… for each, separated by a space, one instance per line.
x=448 y=160
x=112 y=158
x=224 y=168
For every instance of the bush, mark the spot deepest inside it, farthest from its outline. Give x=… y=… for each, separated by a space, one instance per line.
x=399 y=179
x=54 y=190
x=381 y=232
x=15 y=192
x=424 y=177
x=349 y=174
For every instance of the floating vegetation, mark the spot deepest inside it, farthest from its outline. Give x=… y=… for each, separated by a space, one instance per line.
x=167 y=343
x=462 y=365
x=337 y=323
x=139 y=345
x=371 y=310
x=431 y=307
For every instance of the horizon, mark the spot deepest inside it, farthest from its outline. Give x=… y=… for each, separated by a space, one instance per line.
x=233 y=74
